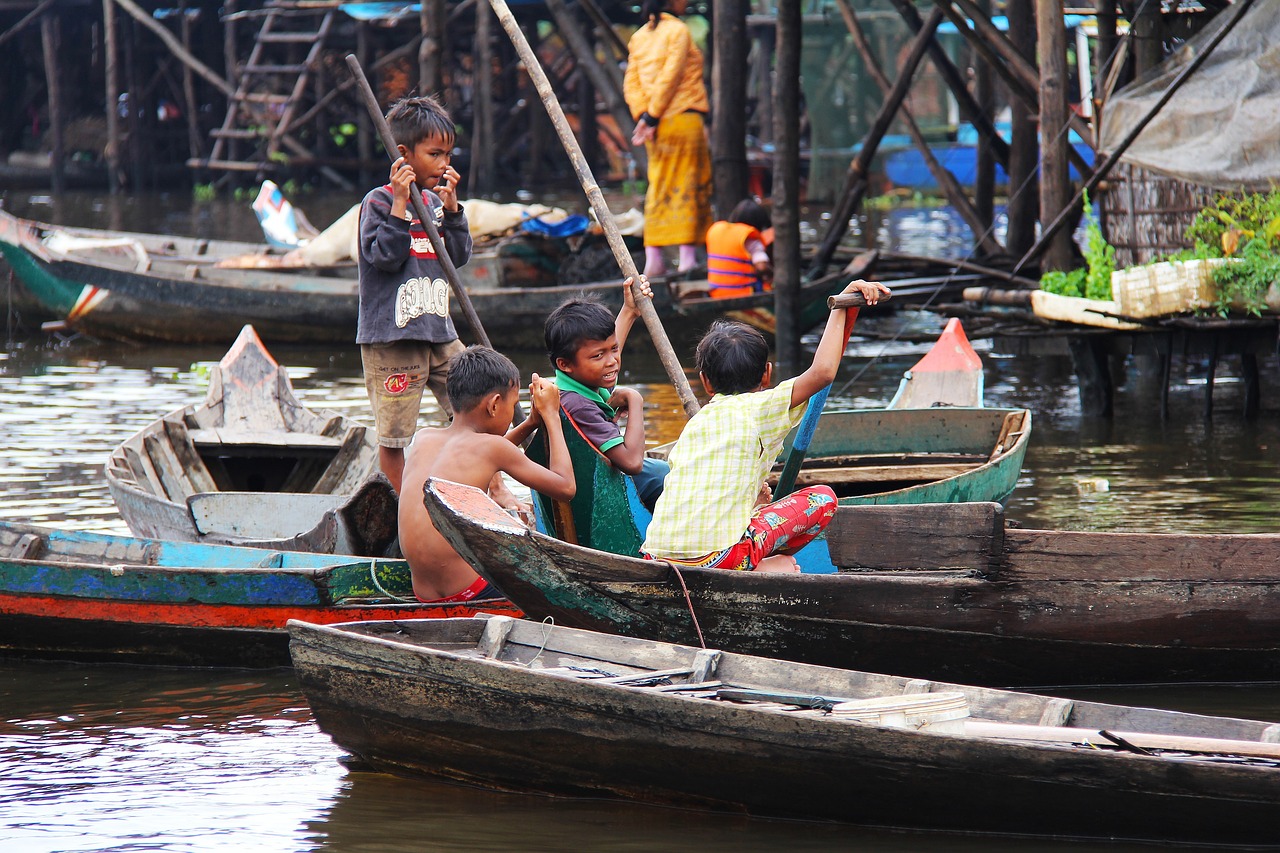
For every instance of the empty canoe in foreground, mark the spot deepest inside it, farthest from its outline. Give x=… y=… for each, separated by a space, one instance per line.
x=519 y=705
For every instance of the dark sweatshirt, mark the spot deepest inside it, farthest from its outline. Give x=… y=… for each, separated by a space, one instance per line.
x=404 y=295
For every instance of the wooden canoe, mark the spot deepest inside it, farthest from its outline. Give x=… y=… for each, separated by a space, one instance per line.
x=937 y=591
x=149 y=287
x=251 y=464
x=518 y=705
x=102 y=598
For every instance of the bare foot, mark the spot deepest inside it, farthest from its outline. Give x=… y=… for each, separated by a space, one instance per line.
x=778 y=563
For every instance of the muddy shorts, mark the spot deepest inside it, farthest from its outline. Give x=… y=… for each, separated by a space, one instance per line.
x=395 y=374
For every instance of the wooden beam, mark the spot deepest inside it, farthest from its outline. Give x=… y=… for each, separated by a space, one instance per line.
x=1055 y=174
x=142 y=17
x=946 y=181
x=729 y=104
x=50 y=38
x=856 y=178
x=26 y=19
x=786 y=188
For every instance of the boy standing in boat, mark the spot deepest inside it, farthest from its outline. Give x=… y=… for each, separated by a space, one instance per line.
x=585 y=344
x=405 y=333
x=715 y=510
x=483 y=387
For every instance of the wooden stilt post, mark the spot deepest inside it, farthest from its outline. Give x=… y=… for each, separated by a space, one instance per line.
x=729 y=104
x=1103 y=55
x=191 y=107
x=111 y=151
x=1093 y=377
x=1211 y=372
x=984 y=180
x=50 y=36
x=588 y=128
x=1023 y=209
x=766 y=48
x=364 y=124
x=428 y=50
x=584 y=52
x=1055 y=178
x=786 y=188
x=1249 y=379
x=856 y=178
x=969 y=107
x=483 y=164
x=1147 y=38
x=946 y=181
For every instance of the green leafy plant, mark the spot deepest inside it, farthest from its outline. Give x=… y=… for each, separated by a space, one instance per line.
x=204 y=192
x=1244 y=283
x=1246 y=229
x=1093 y=281
x=1099 y=255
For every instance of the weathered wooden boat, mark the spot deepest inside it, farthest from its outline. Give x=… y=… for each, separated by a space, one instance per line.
x=517 y=705
x=251 y=464
x=134 y=286
x=98 y=597
x=939 y=591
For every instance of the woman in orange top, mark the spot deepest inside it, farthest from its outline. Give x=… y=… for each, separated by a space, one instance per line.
x=738 y=262
x=664 y=91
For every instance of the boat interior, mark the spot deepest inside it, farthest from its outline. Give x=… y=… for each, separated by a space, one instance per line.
x=848 y=696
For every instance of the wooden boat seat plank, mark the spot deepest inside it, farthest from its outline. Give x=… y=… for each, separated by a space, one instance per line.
x=917 y=536
x=921 y=473
x=224 y=437
x=259 y=515
x=143 y=470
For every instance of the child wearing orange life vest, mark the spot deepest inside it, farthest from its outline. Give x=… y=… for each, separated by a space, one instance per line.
x=738 y=262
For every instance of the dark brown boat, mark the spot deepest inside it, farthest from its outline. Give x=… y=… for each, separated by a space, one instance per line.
x=518 y=705
x=938 y=591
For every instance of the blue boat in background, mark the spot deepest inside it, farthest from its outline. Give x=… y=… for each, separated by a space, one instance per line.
x=905 y=167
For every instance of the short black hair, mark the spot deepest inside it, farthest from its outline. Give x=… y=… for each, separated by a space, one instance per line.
x=733 y=356
x=477 y=372
x=575 y=322
x=417 y=118
x=751 y=212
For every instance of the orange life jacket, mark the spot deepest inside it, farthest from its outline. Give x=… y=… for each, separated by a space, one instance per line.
x=730 y=272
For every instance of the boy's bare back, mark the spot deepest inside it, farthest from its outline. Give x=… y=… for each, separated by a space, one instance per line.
x=471 y=451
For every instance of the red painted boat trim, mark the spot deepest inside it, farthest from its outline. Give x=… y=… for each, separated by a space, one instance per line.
x=233 y=616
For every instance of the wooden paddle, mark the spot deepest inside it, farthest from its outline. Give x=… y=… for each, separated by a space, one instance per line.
x=420 y=210
x=804 y=432
x=598 y=206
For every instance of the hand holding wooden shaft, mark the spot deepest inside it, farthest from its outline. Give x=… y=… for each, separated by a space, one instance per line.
x=851 y=300
x=598 y=206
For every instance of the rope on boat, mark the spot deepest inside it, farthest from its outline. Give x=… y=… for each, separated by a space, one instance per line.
x=373 y=576
x=689 y=602
x=550 y=622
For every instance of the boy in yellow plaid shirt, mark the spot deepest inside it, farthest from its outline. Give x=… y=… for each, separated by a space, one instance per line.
x=715 y=508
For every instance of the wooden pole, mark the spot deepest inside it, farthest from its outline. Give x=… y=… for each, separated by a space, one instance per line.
x=112 y=71
x=483 y=165
x=786 y=188
x=1238 y=10
x=1023 y=208
x=969 y=107
x=1146 y=37
x=584 y=52
x=419 y=206
x=31 y=17
x=1107 y=43
x=144 y=18
x=50 y=36
x=1055 y=176
x=946 y=181
x=984 y=180
x=195 y=141
x=729 y=104
x=651 y=321
x=856 y=178
x=429 y=48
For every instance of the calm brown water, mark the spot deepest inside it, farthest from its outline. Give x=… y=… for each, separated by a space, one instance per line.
x=107 y=758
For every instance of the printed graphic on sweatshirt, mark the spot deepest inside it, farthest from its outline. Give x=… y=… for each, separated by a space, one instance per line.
x=419 y=296
x=420 y=245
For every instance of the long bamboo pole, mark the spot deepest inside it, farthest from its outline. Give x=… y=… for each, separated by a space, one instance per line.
x=598 y=206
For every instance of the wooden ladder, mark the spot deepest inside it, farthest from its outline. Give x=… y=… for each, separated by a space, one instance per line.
x=261 y=93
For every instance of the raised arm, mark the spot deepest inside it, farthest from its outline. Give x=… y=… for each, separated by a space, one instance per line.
x=628 y=314
x=826 y=361
x=556 y=481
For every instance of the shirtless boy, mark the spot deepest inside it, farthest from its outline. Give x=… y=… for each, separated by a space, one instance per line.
x=483 y=387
